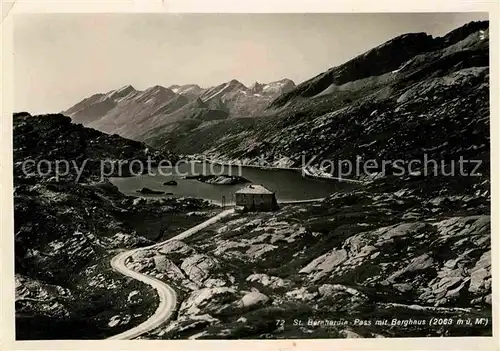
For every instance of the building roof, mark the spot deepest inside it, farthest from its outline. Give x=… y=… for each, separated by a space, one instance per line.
x=254 y=189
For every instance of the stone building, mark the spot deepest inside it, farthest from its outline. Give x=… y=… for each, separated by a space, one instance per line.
x=255 y=198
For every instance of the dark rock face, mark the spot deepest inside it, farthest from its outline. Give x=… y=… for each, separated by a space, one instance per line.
x=170 y=182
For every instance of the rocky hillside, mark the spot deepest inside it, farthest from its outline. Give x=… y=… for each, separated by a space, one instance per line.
x=411 y=95
x=138 y=114
x=46 y=139
x=65 y=232
x=372 y=254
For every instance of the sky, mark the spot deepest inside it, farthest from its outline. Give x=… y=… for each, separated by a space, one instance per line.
x=59 y=59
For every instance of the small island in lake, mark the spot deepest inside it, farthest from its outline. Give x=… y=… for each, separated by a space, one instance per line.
x=170 y=182
x=150 y=191
x=219 y=179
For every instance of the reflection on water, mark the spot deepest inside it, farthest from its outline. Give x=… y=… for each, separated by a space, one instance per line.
x=288 y=184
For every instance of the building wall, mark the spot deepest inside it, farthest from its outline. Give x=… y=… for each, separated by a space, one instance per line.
x=257 y=201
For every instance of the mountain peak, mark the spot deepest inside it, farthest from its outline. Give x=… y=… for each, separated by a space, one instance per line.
x=236 y=83
x=127 y=87
x=156 y=92
x=121 y=93
x=158 y=89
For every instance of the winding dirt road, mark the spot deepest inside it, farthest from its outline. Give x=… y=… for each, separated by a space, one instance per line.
x=166 y=295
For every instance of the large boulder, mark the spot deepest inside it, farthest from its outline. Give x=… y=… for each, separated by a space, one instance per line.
x=198 y=267
x=206 y=300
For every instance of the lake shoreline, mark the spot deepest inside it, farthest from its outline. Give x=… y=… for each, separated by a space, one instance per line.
x=288 y=184
x=306 y=172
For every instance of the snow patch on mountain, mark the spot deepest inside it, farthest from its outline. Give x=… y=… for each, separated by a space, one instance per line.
x=187 y=89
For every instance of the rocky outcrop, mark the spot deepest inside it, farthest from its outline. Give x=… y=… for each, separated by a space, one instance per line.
x=198 y=266
x=270 y=281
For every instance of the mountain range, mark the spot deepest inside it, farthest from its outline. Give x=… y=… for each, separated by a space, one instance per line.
x=132 y=113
